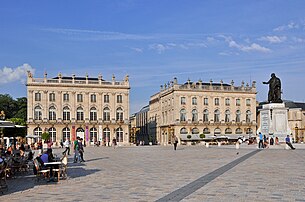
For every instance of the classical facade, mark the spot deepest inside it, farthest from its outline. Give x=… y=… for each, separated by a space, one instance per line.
x=67 y=107
x=195 y=108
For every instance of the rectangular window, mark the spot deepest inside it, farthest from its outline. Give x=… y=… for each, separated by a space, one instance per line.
x=206 y=101
x=183 y=100
x=227 y=101
x=66 y=97
x=52 y=97
x=106 y=98
x=79 y=98
x=248 y=102
x=37 y=97
x=216 y=101
x=93 y=98
x=194 y=101
x=119 y=99
x=238 y=102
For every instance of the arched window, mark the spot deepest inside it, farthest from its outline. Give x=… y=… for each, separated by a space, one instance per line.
x=249 y=131
x=206 y=131
x=38 y=132
x=217 y=131
x=248 y=116
x=227 y=116
x=37 y=113
x=65 y=134
x=228 y=131
x=52 y=113
x=106 y=135
x=195 y=131
x=238 y=131
x=182 y=115
x=93 y=114
x=119 y=134
x=183 y=131
x=119 y=114
x=194 y=115
x=52 y=132
x=205 y=115
x=216 y=116
x=237 y=116
x=93 y=134
x=66 y=114
x=79 y=114
x=106 y=114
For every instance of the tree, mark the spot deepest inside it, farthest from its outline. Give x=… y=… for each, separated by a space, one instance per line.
x=21 y=111
x=8 y=105
x=45 y=136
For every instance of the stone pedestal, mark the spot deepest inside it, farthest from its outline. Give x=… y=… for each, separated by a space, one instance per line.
x=274 y=121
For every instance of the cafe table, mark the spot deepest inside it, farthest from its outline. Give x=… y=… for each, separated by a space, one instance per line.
x=54 y=166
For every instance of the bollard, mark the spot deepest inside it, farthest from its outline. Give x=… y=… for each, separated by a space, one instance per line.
x=219 y=144
x=207 y=145
x=286 y=146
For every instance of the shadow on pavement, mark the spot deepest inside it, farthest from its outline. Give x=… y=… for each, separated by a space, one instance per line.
x=80 y=172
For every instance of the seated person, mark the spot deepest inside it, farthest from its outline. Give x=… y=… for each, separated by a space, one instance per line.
x=47 y=156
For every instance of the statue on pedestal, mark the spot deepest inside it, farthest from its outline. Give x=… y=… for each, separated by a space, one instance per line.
x=274 y=94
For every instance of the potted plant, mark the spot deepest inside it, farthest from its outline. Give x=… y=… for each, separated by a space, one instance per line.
x=189 y=136
x=45 y=136
x=202 y=136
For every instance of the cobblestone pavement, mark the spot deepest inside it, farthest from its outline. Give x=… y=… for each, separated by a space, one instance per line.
x=150 y=173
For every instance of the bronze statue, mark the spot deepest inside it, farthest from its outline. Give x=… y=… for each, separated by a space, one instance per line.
x=274 y=94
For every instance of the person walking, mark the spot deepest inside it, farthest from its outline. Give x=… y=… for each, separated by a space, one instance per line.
x=67 y=146
x=81 y=150
x=260 y=143
x=288 y=142
x=175 y=142
x=114 y=142
x=76 y=152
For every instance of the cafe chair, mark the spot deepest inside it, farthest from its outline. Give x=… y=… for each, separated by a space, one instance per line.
x=40 y=172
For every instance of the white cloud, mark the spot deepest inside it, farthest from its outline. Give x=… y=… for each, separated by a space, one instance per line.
x=291 y=25
x=8 y=74
x=246 y=48
x=80 y=34
x=298 y=40
x=139 y=50
x=160 y=48
x=273 y=39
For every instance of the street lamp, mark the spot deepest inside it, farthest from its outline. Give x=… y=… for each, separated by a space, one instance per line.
x=2 y=117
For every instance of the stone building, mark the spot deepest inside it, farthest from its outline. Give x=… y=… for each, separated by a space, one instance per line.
x=195 y=108
x=67 y=107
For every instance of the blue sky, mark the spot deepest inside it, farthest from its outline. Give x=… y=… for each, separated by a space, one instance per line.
x=155 y=41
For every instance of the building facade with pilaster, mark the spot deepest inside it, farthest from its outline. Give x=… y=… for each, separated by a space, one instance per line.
x=67 y=107
x=195 y=108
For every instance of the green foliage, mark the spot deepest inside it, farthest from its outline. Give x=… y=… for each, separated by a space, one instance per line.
x=45 y=136
x=202 y=135
x=189 y=136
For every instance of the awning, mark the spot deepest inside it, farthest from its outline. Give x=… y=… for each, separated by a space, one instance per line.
x=6 y=124
x=32 y=136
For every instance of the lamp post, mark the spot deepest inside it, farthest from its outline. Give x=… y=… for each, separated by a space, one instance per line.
x=2 y=118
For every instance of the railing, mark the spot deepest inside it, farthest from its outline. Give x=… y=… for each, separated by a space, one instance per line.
x=82 y=82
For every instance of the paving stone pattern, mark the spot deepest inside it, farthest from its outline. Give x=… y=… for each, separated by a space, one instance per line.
x=150 y=173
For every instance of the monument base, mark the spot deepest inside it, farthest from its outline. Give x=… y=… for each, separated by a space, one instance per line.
x=274 y=121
